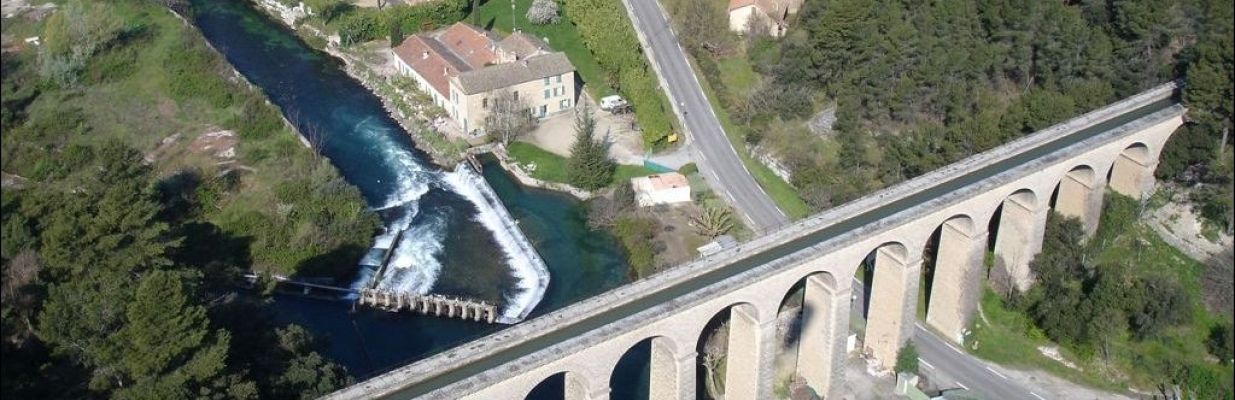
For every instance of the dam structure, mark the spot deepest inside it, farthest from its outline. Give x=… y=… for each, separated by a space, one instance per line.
x=997 y=200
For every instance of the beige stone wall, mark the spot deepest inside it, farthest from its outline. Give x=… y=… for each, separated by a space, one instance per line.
x=472 y=108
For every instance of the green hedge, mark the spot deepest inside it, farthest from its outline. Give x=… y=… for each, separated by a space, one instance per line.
x=360 y=25
x=611 y=38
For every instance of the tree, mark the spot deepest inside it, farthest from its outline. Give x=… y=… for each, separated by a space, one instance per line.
x=907 y=359
x=113 y=224
x=713 y=222
x=589 y=164
x=509 y=117
x=543 y=12
x=1221 y=342
x=702 y=25
x=179 y=353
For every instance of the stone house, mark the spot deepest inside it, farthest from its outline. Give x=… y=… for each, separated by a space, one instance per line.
x=772 y=13
x=666 y=188
x=462 y=67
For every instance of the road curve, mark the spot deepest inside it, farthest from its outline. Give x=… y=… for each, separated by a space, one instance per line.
x=718 y=161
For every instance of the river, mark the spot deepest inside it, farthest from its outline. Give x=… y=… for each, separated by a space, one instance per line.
x=447 y=248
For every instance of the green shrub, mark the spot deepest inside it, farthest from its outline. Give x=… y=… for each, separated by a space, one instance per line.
x=194 y=72
x=611 y=38
x=636 y=234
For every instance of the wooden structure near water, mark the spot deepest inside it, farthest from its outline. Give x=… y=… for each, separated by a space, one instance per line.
x=432 y=304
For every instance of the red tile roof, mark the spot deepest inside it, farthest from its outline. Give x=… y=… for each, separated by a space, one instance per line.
x=473 y=45
x=429 y=62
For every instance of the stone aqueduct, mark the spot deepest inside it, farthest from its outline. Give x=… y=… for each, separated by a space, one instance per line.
x=955 y=205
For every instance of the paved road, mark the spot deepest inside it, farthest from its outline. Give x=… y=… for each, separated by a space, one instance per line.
x=716 y=158
x=952 y=368
x=574 y=328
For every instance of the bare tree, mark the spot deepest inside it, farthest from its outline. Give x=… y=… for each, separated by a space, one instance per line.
x=703 y=24
x=757 y=27
x=22 y=270
x=509 y=117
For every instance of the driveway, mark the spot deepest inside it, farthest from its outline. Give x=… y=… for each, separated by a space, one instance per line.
x=556 y=134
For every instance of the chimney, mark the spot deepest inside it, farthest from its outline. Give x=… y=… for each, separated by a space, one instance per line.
x=424 y=55
x=524 y=62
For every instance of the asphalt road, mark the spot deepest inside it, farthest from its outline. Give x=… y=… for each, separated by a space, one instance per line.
x=951 y=367
x=568 y=329
x=717 y=160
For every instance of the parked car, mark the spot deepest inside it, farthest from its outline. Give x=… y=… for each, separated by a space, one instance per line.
x=614 y=104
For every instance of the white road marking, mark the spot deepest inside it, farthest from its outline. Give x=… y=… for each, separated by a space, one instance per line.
x=955 y=349
x=996 y=373
x=962 y=385
x=1035 y=395
x=926 y=364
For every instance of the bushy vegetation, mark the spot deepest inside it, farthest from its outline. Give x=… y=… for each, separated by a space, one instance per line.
x=1124 y=305
x=122 y=247
x=358 y=25
x=636 y=234
x=918 y=86
x=611 y=38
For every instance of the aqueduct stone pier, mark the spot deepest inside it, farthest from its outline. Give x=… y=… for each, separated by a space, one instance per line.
x=997 y=201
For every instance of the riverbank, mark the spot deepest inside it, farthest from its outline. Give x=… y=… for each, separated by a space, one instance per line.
x=408 y=107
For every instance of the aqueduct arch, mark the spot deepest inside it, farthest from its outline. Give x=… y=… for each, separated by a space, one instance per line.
x=893 y=299
x=825 y=328
x=670 y=373
x=750 y=350
x=1132 y=173
x=566 y=385
x=959 y=253
x=1079 y=195
x=1022 y=222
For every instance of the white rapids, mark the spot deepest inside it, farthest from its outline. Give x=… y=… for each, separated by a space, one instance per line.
x=415 y=265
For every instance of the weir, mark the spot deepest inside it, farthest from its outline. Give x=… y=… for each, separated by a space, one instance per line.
x=431 y=304
x=525 y=262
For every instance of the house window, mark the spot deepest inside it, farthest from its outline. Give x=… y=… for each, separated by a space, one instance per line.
x=546 y=81
x=516 y=95
x=543 y=109
x=559 y=79
x=564 y=104
x=484 y=102
x=547 y=93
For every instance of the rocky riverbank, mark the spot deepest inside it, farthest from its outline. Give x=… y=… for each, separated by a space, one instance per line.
x=416 y=117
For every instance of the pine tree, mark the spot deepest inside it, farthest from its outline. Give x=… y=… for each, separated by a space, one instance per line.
x=176 y=351
x=589 y=164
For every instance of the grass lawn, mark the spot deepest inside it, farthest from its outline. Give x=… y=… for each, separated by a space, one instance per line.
x=737 y=73
x=785 y=196
x=562 y=36
x=552 y=167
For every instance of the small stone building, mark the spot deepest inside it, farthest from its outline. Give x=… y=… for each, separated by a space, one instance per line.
x=666 y=188
x=772 y=14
